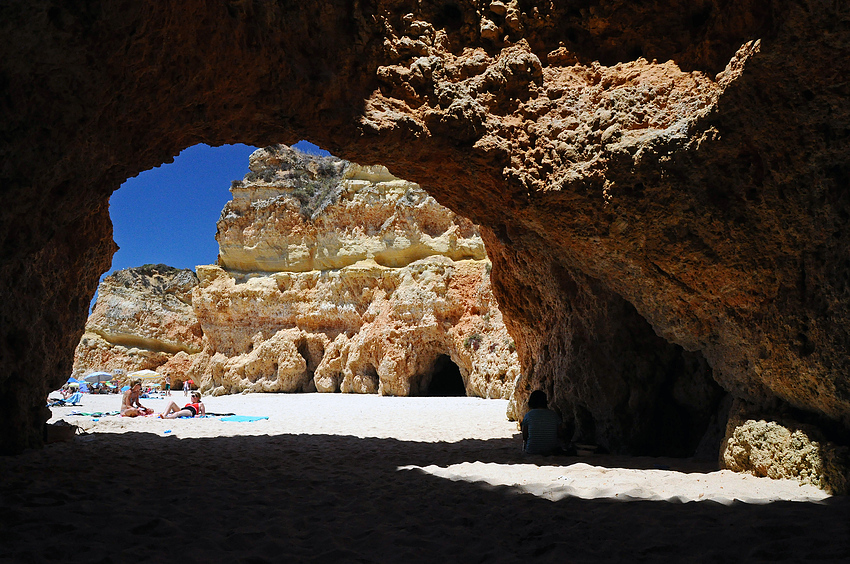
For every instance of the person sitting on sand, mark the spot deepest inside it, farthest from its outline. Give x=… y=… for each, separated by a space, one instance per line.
x=130 y=404
x=193 y=409
x=540 y=426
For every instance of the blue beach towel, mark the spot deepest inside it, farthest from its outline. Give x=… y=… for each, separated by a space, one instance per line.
x=247 y=418
x=75 y=399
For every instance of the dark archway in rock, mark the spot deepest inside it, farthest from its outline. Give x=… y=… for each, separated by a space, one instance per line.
x=694 y=167
x=446 y=379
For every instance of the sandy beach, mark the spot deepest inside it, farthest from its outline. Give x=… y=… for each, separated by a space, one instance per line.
x=364 y=478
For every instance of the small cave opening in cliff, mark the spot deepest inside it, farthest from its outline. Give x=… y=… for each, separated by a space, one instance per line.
x=370 y=381
x=622 y=386
x=308 y=384
x=446 y=380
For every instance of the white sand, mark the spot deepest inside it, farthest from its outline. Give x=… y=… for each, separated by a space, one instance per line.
x=444 y=420
x=410 y=419
x=368 y=478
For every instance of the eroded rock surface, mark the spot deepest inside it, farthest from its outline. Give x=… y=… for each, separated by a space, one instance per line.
x=687 y=159
x=365 y=328
x=337 y=277
x=142 y=317
x=784 y=449
x=334 y=278
x=295 y=212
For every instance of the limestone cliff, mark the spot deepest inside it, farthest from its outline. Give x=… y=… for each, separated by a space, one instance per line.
x=142 y=317
x=338 y=277
x=294 y=212
x=332 y=277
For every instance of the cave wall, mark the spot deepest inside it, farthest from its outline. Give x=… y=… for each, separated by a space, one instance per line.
x=613 y=381
x=682 y=163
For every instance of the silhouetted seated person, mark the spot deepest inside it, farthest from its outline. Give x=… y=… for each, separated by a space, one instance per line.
x=540 y=427
x=193 y=409
x=130 y=404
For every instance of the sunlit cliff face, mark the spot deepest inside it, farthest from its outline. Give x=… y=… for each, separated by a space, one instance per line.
x=642 y=179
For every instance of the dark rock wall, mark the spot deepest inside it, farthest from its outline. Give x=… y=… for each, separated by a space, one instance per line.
x=612 y=379
x=45 y=305
x=682 y=163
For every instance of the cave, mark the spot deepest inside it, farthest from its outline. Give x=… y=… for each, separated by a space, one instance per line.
x=446 y=379
x=703 y=184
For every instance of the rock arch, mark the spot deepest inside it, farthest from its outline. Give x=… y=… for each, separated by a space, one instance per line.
x=693 y=169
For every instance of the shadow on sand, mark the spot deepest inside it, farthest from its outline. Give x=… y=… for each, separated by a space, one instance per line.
x=327 y=498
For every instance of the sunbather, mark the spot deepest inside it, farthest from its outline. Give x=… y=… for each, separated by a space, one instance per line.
x=130 y=404
x=193 y=409
x=73 y=399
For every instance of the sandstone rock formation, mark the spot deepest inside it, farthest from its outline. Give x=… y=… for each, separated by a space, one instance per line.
x=784 y=449
x=338 y=277
x=294 y=212
x=683 y=162
x=334 y=277
x=365 y=328
x=142 y=317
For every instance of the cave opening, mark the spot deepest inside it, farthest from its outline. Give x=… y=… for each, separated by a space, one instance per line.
x=446 y=381
x=370 y=381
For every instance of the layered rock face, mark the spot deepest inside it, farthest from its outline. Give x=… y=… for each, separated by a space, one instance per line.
x=683 y=162
x=334 y=278
x=337 y=277
x=294 y=212
x=142 y=317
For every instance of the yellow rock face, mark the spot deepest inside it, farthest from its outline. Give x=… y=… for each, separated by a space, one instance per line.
x=365 y=328
x=376 y=216
x=334 y=278
x=143 y=316
x=339 y=277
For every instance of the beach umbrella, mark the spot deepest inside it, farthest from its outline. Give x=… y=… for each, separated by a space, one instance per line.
x=97 y=377
x=125 y=388
x=72 y=380
x=146 y=374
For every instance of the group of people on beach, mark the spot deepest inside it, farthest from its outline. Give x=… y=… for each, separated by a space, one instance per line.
x=540 y=427
x=131 y=405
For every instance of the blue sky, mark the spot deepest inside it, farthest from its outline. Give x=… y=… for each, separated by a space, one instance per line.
x=168 y=214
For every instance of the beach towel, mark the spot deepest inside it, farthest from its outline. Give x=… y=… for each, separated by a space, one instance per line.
x=74 y=399
x=245 y=418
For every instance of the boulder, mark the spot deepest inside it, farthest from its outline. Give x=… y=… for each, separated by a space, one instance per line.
x=785 y=449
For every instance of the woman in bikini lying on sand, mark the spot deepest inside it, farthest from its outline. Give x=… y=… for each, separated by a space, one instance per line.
x=189 y=410
x=130 y=404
